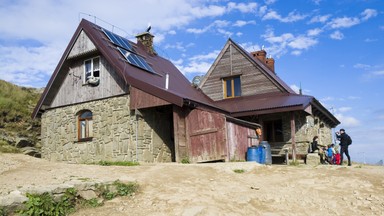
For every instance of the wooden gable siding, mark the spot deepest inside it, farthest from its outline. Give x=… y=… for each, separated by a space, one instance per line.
x=82 y=46
x=233 y=63
x=72 y=90
x=140 y=99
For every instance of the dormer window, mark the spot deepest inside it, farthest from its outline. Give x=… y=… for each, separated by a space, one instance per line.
x=232 y=87
x=91 y=70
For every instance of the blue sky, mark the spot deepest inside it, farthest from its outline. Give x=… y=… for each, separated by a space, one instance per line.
x=333 y=49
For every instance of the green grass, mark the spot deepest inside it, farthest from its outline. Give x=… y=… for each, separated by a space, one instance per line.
x=118 y=163
x=6 y=148
x=239 y=170
x=185 y=161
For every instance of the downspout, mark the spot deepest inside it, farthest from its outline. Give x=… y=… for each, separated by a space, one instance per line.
x=137 y=129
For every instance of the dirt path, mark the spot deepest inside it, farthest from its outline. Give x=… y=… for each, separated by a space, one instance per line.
x=214 y=189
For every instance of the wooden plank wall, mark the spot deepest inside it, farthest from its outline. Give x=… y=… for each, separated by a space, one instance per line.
x=239 y=140
x=180 y=138
x=233 y=63
x=68 y=88
x=140 y=99
x=207 y=136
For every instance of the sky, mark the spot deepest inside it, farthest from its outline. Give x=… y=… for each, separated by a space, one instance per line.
x=333 y=50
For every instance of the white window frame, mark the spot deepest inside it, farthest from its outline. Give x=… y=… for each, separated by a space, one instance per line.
x=92 y=69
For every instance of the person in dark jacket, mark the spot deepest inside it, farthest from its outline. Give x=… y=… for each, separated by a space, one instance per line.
x=343 y=138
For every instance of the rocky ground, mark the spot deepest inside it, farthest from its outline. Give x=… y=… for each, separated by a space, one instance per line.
x=213 y=189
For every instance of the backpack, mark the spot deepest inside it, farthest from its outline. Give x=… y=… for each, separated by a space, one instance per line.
x=349 y=139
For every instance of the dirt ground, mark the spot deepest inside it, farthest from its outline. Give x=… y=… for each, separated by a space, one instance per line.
x=214 y=188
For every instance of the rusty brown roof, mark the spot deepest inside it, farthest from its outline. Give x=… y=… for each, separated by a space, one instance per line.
x=273 y=103
x=179 y=90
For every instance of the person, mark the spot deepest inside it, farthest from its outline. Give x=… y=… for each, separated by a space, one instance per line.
x=330 y=154
x=344 y=143
x=337 y=158
x=316 y=146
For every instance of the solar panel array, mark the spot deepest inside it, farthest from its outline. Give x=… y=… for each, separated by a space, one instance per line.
x=126 y=49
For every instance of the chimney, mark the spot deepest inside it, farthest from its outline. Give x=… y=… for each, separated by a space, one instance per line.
x=270 y=62
x=146 y=39
x=261 y=55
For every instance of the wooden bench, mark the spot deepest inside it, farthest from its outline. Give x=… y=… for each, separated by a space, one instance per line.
x=284 y=150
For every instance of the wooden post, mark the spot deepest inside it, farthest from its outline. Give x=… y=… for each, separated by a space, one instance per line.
x=293 y=133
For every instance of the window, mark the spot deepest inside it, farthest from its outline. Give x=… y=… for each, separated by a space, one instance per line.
x=232 y=87
x=91 y=69
x=273 y=131
x=85 y=125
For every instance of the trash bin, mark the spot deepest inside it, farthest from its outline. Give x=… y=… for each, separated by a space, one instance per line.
x=261 y=153
x=267 y=156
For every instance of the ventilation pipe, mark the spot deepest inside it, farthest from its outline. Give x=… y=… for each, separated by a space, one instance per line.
x=166 y=81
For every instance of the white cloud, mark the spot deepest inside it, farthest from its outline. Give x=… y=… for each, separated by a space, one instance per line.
x=347 y=121
x=268 y=2
x=240 y=23
x=197 y=64
x=208 y=11
x=328 y=99
x=344 y=109
x=314 y=32
x=216 y=23
x=368 y=40
x=320 y=19
x=210 y=56
x=317 y=2
x=378 y=73
x=239 y=34
x=337 y=35
x=242 y=7
x=172 y=32
x=292 y=17
x=302 y=42
x=362 y=66
x=295 y=88
x=296 y=52
x=368 y=13
x=227 y=34
x=344 y=22
x=262 y=10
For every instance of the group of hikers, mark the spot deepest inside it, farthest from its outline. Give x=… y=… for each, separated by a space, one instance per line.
x=329 y=154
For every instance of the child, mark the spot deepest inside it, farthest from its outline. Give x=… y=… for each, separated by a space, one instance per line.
x=330 y=153
x=337 y=158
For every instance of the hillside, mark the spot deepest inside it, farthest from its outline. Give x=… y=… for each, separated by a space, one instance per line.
x=18 y=132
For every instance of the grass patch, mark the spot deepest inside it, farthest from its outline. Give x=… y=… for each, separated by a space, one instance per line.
x=185 y=161
x=118 y=163
x=239 y=170
x=294 y=163
x=47 y=205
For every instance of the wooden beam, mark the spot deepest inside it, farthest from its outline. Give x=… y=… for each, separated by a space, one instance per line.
x=293 y=133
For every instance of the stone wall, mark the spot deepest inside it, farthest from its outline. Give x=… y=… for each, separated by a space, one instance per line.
x=118 y=134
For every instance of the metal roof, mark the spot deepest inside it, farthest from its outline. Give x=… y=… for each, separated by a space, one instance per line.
x=179 y=88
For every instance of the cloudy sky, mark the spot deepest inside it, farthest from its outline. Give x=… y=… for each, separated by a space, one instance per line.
x=332 y=49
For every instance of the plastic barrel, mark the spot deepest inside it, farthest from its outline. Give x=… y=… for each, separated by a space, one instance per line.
x=252 y=153
x=267 y=152
x=261 y=151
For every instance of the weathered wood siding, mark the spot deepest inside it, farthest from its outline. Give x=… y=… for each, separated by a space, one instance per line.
x=82 y=46
x=206 y=135
x=180 y=137
x=72 y=89
x=140 y=99
x=233 y=63
x=239 y=139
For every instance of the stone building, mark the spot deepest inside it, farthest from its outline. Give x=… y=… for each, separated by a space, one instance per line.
x=116 y=100
x=247 y=85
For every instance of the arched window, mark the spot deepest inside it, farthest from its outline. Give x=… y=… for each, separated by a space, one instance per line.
x=85 y=125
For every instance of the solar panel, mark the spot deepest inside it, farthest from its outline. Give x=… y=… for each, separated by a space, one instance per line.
x=118 y=40
x=136 y=60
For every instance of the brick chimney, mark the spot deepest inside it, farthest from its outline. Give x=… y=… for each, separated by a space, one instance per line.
x=270 y=62
x=146 y=39
x=261 y=55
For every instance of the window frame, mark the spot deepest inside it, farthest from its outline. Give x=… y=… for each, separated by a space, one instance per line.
x=92 y=68
x=233 y=87
x=88 y=126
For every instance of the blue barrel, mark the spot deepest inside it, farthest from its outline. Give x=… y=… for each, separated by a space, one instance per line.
x=267 y=152
x=252 y=153
x=261 y=151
